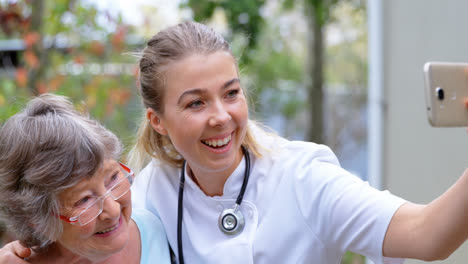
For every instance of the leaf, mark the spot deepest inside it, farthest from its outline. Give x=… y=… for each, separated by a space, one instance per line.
x=31 y=38
x=55 y=83
x=288 y=4
x=118 y=38
x=31 y=59
x=122 y=96
x=91 y=100
x=79 y=59
x=21 y=77
x=41 y=87
x=97 y=48
x=8 y=87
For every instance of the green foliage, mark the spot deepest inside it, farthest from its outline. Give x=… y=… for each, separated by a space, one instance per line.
x=73 y=49
x=274 y=76
x=243 y=17
x=347 y=60
x=266 y=67
x=274 y=71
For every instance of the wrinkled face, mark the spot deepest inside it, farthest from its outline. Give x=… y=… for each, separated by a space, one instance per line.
x=205 y=111
x=109 y=232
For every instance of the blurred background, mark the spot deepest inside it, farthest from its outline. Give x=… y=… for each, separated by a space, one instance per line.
x=327 y=71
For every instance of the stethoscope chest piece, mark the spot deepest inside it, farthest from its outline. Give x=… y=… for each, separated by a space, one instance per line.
x=231 y=221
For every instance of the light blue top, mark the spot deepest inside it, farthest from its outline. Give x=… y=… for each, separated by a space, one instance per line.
x=154 y=246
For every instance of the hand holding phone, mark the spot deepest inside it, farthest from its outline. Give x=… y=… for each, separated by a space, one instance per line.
x=446 y=87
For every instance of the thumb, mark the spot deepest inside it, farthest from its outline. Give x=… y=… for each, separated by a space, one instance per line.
x=20 y=250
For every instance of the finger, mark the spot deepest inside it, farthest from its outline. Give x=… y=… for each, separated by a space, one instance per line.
x=14 y=253
x=10 y=259
x=465 y=102
x=20 y=250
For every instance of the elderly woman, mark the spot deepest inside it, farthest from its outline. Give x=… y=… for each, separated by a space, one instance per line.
x=65 y=196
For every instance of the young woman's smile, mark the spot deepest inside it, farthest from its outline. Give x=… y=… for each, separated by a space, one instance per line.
x=219 y=144
x=205 y=112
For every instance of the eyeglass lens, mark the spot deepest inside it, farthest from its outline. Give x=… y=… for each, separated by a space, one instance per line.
x=122 y=186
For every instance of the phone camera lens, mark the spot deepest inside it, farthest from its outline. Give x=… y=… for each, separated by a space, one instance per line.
x=440 y=93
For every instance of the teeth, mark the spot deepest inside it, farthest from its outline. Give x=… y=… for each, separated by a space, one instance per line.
x=218 y=142
x=108 y=230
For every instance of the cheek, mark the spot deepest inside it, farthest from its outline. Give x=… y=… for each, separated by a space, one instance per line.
x=126 y=205
x=241 y=113
x=75 y=234
x=88 y=229
x=126 y=199
x=188 y=129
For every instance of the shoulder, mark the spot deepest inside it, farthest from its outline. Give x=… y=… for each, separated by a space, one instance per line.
x=294 y=159
x=154 y=243
x=277 y=147
x=143 y=217
x=156 y=168
x=155 y=176
x=306 y=152
x=148 y=224
x=314 y=165
x=299 y=154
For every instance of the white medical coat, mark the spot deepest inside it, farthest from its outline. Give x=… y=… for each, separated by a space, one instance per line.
x=299 y=206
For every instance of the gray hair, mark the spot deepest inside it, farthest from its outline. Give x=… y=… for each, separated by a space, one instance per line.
x=45 y=149
x=172 y=44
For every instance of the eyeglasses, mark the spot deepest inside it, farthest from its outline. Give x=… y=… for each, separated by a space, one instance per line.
x=94 y=205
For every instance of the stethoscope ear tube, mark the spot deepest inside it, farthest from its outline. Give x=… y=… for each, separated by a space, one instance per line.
x=231 y=221
x=180 y=213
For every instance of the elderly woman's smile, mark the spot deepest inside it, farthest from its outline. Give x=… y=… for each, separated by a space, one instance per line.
x=108 y=232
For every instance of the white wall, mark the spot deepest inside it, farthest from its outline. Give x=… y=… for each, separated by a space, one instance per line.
x=418 y=162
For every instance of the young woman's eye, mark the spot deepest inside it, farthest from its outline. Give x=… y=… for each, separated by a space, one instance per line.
x=233 y=93
x=195 y=104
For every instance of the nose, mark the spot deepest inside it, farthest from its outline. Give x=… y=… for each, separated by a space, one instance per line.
x=219 y=115
x=111 y=209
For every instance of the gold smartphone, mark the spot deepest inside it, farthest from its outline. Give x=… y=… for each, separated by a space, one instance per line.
x=446 y=88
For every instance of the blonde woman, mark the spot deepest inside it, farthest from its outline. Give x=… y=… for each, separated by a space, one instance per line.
x=228 y=192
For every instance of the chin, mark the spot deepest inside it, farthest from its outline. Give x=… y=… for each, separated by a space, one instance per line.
x=117 y=245
x=121 y=245
x=121 y=240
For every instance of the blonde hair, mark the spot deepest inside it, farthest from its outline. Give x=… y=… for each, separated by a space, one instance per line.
x=172 y=44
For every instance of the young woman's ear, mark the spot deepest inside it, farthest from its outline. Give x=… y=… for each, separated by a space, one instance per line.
x=155 y=121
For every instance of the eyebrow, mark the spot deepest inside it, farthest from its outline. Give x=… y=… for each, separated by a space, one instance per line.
x=200 y=90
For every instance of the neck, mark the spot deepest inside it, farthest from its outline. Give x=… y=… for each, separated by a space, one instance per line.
x=211 y=185
x=69 y=257
x=56 y=253
x=212 y=182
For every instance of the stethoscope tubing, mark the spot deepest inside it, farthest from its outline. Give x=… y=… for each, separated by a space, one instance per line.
x=181 y=200
x=180 y=214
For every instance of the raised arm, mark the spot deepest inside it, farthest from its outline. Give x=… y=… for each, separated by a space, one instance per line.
x=433 y=231
x=14 y=253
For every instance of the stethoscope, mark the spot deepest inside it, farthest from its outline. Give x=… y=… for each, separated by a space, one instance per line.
x=231 y=221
